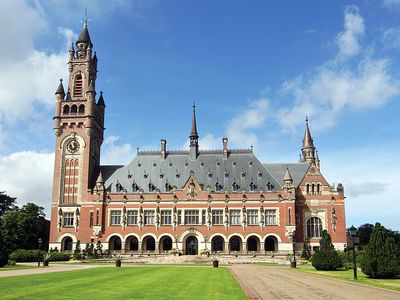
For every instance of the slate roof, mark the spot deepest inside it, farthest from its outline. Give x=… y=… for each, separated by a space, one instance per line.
x=149 y=171
x=297 y=170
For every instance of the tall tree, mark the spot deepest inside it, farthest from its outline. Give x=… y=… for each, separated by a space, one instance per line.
x=382 y=257
x=6 y=203
x=364 y=233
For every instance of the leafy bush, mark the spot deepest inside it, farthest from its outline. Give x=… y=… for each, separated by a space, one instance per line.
x=77 y=252
x=12 y=263
x=382 y=256
x=59 y=256
x=21 y=255
x=326 y=258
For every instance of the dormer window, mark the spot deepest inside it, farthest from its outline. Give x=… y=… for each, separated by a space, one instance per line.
x=151 y=187
x=209 y=174
x=217 y=187
x=226 y=174
x=118 y=187
x=259 y=174
x=252 y=186
x=135 y=187
x=235 y=186
x=167 y=187
x=269 y=186
x=78 y=86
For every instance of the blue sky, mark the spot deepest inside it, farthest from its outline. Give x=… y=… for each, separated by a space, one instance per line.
x=255 y=70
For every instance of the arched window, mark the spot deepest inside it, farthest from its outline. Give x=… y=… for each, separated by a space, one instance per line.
x=308 y=188
x=78 y=86
x=318 y=188
x=74 y=109
x=314 y=227
x=81 y=109
x=66 y=109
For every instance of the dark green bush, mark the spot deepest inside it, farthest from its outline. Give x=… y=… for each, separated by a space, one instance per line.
x=382 y=256
x=21 y=255
x=59 y=256
x=326 y=258
x=12 y=263
x=306 y=253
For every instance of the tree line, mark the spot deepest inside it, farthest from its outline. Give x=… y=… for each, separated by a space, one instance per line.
x=21 y=227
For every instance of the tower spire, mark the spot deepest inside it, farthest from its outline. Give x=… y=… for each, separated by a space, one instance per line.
x=308 y=148
x=194 y=137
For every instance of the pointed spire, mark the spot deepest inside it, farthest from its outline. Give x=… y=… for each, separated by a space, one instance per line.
x=72 y=49
x=194 y=125
x=288 y=176
x=91 y=87
x=60 y=89
x=100 y=179
x=307 y=140
x=101 y=102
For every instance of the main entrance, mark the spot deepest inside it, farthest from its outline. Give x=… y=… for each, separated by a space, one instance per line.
x=191 y=245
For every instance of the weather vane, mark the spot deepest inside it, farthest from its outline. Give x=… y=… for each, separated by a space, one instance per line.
x=86 y=20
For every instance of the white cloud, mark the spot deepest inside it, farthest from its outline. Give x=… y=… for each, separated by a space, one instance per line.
x=336 y=86
x=28 y=175
x=357 y=189
x=354 y=28
x=390 y=38
x=114 y=153
x=240 y=129
x=391 y=3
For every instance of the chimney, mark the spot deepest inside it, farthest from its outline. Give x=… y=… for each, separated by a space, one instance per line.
x=163 y=149
x=225 y=143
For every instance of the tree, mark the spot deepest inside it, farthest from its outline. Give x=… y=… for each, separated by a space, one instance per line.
x=77 y=252
x=326 y=258
x=364 y=233
x=306 y=254
x=382 y=257
x=6 y=203
x=21 y=228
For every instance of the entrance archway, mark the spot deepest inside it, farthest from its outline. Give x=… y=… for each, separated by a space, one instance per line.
x=149 y=243
x=217 y=244
x=166 y=243
x=271 y=244
x=191 y=245
x=235 y=243
x=66 y=244
x=114 y=243
x=132 y=243
x=253 y=243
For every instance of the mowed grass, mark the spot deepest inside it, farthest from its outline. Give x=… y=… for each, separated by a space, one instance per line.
x=125 y=283
x=16 y=267
x=392 y=284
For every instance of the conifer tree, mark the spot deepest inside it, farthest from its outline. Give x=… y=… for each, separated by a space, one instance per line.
x=77 y=252
x=382 y=257
x=306 y=253
x=326 y=258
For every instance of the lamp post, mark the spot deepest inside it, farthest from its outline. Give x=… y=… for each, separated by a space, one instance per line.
x=293 y=261
x=39 y=246
x=353 y=233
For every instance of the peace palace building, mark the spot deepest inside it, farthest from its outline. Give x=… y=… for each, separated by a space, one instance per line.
x=223 y=200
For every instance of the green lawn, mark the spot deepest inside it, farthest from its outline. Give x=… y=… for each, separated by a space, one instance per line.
x=392 y=284
x=125 y=283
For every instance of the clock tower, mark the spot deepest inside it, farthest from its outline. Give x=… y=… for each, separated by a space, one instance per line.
x=78 y=127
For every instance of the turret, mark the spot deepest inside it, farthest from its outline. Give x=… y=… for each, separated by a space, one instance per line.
x=83 y=43
x=308 y=149
x=60 y=95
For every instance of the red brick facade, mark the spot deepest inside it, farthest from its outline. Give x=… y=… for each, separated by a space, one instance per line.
x=95 y=203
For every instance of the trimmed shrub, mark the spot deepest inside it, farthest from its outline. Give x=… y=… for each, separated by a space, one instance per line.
x=21 y=255
x=306 y=253
x=77 y=252
x=326 y=258
x=382 y=256
x=59 y=256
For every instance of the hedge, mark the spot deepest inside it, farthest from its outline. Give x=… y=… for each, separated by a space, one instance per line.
x=22 y=255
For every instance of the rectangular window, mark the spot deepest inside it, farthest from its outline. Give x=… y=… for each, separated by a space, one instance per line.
x=217 y=217
x=179 y=217
x=270 y=217
x=149 y=217
x=115 y=217
x=252 y=217
x=132 y=217
x=166 y=217
x=68 y=219
x=234 y=217
x=191 y=217
x=203 y=217
x=91 y=219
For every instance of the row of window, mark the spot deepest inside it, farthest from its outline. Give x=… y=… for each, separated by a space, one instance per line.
x=313 y=188
x=193 y=217
x=74 y=109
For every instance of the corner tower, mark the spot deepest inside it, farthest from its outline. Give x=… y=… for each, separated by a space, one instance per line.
x=308 y=149
x=78 y=126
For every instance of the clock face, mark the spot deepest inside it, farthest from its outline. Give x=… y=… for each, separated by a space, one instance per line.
x=73 y=146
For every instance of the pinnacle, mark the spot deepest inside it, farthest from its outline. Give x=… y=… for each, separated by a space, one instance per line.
x=60 y=89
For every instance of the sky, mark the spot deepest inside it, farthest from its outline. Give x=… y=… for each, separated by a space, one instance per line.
x=254 y=69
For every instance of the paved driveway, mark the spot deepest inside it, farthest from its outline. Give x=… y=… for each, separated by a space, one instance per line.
x=283 y=283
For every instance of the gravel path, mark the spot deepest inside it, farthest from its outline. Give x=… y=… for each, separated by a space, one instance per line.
x=283 y=283
x=51 y=268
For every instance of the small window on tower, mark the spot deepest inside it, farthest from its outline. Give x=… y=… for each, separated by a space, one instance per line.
x=81 y=109
x=78 y=86
x=66 y=109
x=74 y=109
